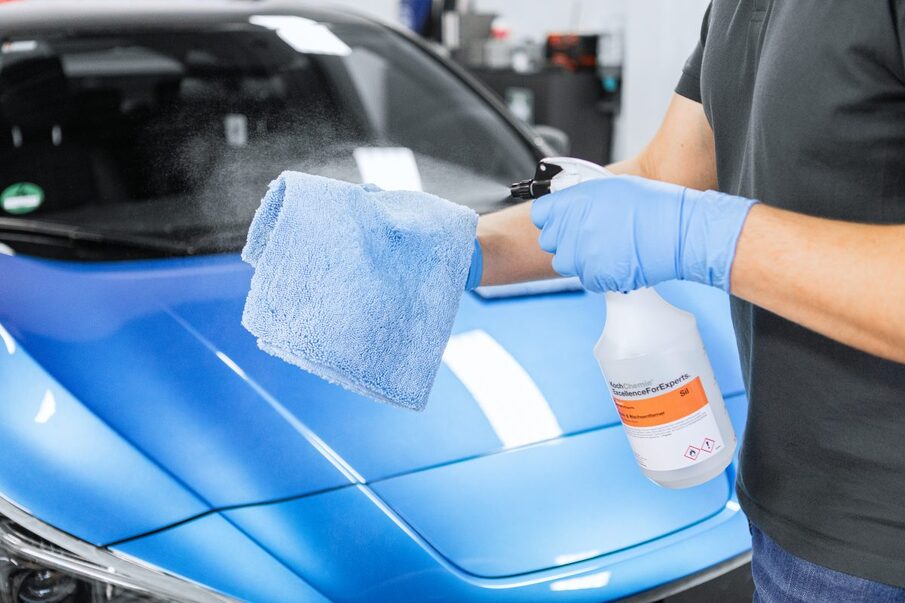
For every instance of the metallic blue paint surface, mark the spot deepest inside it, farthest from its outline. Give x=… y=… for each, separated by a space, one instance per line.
x=68 y=467
x=172 y=411
x=213 y=552
x=353 y=545
x=530 y=508
x=112 y=335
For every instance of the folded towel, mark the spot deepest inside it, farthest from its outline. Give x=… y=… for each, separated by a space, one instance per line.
x=357 y=285
x=266 y=217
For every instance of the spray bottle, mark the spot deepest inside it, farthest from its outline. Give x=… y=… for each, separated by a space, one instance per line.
x=656 y=367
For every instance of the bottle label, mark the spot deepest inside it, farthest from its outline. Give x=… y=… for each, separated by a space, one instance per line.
x=664 y=401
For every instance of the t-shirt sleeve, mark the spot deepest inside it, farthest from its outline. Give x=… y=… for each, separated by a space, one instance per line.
x=689 y=84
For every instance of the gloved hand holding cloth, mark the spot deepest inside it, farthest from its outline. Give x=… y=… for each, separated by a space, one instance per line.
x=624 y=232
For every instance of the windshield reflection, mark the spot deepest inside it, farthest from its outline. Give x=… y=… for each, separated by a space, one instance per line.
x=177 y=132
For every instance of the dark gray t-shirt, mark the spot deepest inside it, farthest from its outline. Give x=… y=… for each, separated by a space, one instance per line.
x=807 y=103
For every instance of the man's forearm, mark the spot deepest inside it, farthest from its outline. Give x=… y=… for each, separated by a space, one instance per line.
x=509 y=243
x=843 y=280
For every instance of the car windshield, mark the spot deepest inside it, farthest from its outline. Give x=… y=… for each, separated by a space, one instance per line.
x=172 y=135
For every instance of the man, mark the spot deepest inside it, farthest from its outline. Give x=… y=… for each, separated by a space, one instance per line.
x=800 y=105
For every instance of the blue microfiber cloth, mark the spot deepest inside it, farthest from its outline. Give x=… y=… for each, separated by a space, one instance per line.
x=357 y=285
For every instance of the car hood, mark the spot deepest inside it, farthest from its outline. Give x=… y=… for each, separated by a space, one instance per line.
x=156 y=350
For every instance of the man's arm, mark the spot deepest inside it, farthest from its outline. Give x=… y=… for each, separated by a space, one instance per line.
x=843 y=280
x=682 y=152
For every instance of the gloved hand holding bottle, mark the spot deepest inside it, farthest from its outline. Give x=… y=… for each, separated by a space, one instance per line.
x=625 y=232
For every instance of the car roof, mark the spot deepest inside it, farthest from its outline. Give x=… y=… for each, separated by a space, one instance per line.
x=42 y=15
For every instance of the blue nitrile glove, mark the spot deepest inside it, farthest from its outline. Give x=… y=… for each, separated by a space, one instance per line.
x=624 y=232
x=477 y=267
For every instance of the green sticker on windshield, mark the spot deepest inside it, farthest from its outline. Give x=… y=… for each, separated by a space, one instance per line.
x=21 y=198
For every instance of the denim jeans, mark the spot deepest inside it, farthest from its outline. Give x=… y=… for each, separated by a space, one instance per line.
x=781 y=577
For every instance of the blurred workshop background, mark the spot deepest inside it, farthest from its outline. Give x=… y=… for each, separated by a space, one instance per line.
x=608 y=63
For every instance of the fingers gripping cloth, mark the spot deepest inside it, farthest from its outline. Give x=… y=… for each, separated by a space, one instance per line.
x=357 y=285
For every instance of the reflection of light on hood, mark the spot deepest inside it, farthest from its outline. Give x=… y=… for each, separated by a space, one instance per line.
x=514 y=406
x=573 y=557
x=733 y=506
x=47 y=409
x=231 y=364
x=8 y=341
x=598 y=580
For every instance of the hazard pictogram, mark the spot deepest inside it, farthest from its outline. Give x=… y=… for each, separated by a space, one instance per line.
x=693 y=452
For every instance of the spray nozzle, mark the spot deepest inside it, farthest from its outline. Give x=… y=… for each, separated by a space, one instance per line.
x=537 y=186
x=555 y=174
x=529 y=189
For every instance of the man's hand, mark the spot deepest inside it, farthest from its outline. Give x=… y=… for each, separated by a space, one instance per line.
x=625 y=232
x=682 y=152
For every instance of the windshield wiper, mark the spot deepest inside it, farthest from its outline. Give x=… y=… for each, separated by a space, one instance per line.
x=79 y=234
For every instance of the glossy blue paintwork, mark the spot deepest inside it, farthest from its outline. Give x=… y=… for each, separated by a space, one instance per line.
x=169 y=337
x=383 y=501
x=112 y=336
x=528 y=509
x=352 y=545
x=372 y=560
x=213 y=551
x=62 y=463
x=379 y=440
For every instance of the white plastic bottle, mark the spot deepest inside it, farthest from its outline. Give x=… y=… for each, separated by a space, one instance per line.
x=662 y=383
x=655 y=365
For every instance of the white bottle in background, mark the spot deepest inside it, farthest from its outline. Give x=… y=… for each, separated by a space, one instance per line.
x=662 y=383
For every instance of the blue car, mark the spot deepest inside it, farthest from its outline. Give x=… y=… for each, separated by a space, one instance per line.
x=150 y=452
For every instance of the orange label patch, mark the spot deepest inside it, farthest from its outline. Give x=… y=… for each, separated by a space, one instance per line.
x=665 y=408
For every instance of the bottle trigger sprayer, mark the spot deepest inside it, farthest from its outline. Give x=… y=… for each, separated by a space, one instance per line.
x=655 y=365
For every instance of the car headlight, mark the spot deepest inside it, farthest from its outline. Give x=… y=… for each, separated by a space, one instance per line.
x=40 y=564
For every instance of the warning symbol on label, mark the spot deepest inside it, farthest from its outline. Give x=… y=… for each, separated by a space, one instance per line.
x=708 y=445
x=692 y=453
